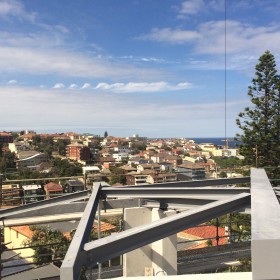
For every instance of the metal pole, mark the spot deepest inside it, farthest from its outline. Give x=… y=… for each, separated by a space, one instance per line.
x=1 y=180
x=85 y=181
x=1 y=251
x=217 y=231
x=99 y=236
x=257 y=160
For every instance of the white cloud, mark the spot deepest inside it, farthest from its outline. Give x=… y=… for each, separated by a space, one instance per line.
x=73 y=86
x=164 y=117
x=59 y=86
x=142 y=87
x=191 y=7
x=61 y=62
x=86 y=86
x=12 y=82
x=152 y=59
x=176 y=36
x=209 y=37
x=14 y=8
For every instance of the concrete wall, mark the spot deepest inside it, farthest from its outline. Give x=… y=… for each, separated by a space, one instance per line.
x=158 y=258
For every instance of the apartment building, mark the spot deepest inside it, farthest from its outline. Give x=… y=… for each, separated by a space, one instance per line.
x=78 y=152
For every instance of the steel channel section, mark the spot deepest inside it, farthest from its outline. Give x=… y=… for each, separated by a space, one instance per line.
x=75 y=257
x=120 y=203
x=43 y=204
x=112 y=246
x=197 y=183
x=158 y=192
x=175 y=203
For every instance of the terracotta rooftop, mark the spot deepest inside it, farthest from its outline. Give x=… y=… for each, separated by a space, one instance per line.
x=27 y=232
x=24 y=230
x=205 y=232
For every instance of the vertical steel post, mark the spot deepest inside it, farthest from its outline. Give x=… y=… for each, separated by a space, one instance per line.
x=1 y=182
x=99 y=236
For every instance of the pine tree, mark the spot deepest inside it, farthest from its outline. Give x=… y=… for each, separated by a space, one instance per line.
x=260 y=123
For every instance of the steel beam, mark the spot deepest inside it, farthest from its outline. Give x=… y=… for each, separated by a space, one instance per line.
x=117 y=244
x=265 y=227
x=75 y=256
x=209 y=193
x=43 y=204
x=120 y=203
x=197 y=183
x=175 y=203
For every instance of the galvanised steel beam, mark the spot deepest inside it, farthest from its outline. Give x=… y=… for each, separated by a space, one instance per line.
x=120 y=203
x=198 y=183
x=75 y=256
x=112 y=246
x=175 y=203
x=43 y=204
x=209 y=193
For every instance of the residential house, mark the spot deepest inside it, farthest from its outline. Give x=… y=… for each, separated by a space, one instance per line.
x=138 y=160
x=107 y=162
x=17 y=147
x=160 y=157
x=178 y=151
x=92 y=174
x=166 y=167
x=28 y=136
x=209 y=147
x=122 y=149
x=72 y=185
x=120 y=156
x=30 y=160
x=203 y=233
x=16 y=236
x=209 y=166
x=6 y=137
x=74 y=137
x=148 y=166
x=156 y=178
x=191 y=171
x=134 y=178
x=128 y=168
x=175 y=160
x=53 y=190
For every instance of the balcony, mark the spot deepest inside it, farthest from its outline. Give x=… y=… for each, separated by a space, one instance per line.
x=193 y=203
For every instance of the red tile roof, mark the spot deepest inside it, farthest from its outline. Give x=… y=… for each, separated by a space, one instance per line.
x=206 y=232
x=24 y=230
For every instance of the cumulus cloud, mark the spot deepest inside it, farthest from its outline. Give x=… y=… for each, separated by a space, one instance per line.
x=59 y=86
x=12 y=82
x=142 y=87
x=86 y=86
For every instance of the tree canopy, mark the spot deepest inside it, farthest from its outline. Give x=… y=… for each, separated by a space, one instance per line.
x=56 y=241
x=260 y=122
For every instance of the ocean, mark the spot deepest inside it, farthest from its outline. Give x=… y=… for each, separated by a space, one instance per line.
x=217 y=141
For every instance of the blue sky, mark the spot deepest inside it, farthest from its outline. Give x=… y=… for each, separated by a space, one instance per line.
x=148 y=67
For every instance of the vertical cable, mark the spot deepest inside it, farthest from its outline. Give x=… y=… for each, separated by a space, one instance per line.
x=226 y=140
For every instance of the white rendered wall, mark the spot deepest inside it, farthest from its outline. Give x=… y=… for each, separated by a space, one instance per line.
x=160 y=257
